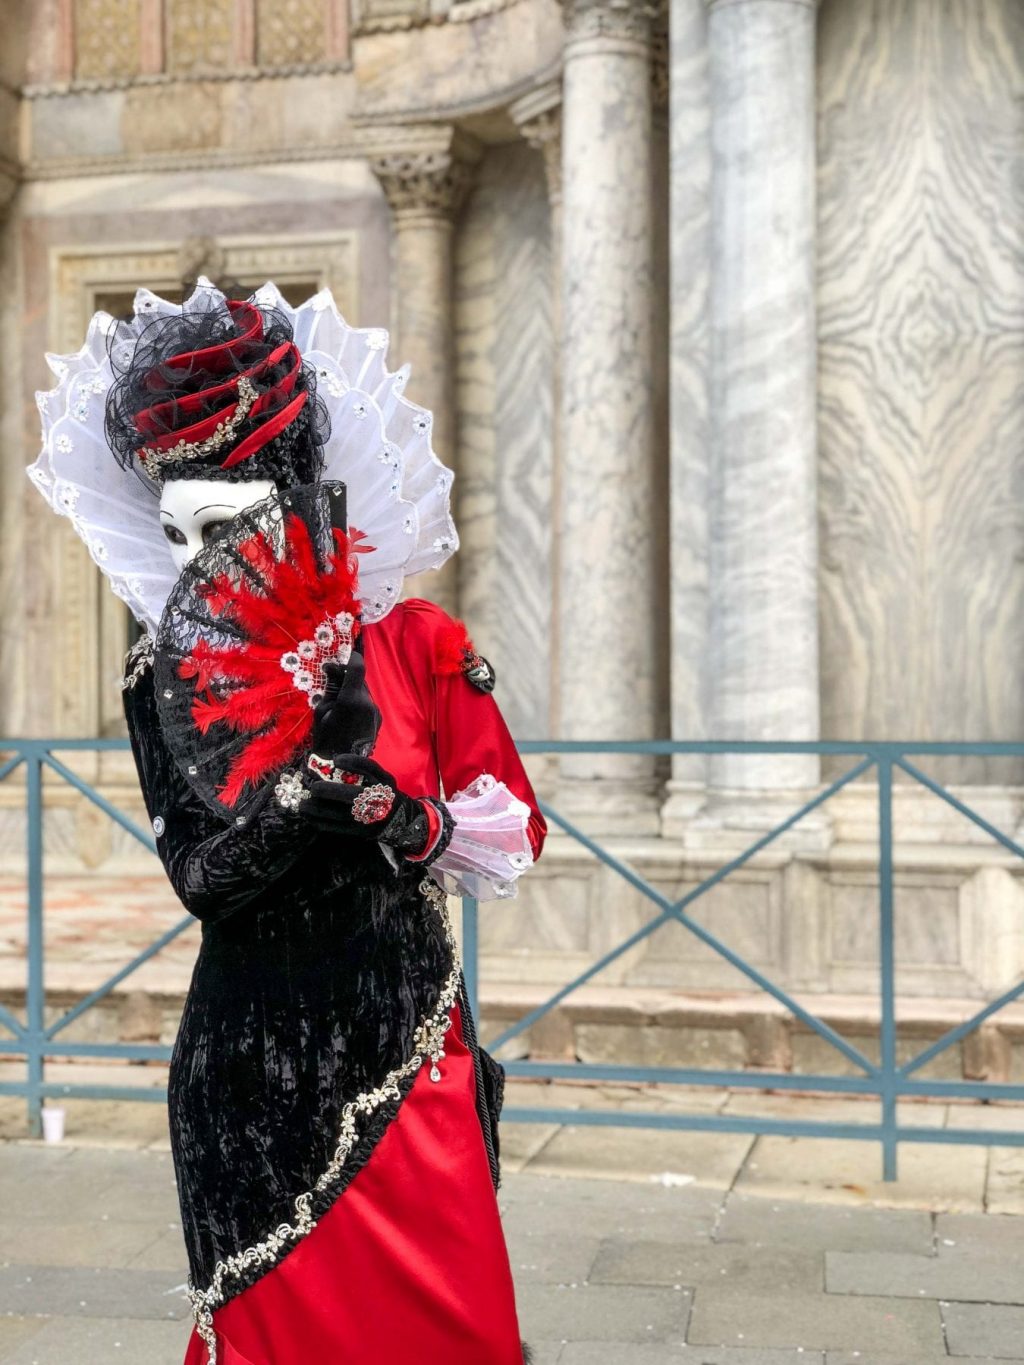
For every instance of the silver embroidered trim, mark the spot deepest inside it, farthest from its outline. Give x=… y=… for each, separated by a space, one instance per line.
x=429 y=1043
x=137 y=660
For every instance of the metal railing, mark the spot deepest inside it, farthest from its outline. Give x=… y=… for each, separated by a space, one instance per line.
x=886 y=1080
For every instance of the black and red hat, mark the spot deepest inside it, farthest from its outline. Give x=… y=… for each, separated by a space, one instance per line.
x=223 y=393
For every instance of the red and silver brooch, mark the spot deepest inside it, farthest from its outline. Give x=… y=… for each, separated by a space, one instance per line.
x=373 y=803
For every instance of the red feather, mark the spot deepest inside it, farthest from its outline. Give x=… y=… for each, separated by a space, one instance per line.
x=451 y=644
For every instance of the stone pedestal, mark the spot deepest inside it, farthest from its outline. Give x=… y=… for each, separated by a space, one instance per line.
x=606 y=599
x=425 y=188
x=763 y=654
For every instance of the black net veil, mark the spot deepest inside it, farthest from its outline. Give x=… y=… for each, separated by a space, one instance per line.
x=148 y=379
x=204 y=759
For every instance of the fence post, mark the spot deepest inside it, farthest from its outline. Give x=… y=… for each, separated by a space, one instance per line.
x=35 y=1002
x=887 y=960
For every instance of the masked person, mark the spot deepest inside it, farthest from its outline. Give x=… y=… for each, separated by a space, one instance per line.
x=333 y=1120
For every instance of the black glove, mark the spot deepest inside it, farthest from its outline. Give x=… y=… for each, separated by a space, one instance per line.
x=374 y=808
x=347 y=720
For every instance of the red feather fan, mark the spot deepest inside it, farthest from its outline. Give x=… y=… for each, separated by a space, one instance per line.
x=286 y=618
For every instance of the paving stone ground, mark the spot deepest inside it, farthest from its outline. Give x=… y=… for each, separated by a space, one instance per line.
x=628 y=1248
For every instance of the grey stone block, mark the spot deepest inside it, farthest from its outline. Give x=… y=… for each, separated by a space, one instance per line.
x=606 y=1313
x=964 y=1278
x=984 y=1329
x=853 y=1358
x=97 y=1242
x=164 y=1252
x=74 y=1291
x=14 y=1331
x=593 y=1353
x=547 y=1205
x=759 y=1221
x=551 y=1258
x=778 y=1270
x=547 y=1352
x=725 y=1317
x=987 y=1233
x=98 y=1341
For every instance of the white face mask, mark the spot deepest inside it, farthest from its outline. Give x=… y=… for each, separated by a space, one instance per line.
x=193 y=511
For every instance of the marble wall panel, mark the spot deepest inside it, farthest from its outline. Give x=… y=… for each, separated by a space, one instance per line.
x=504 y=355
x=746 y=915
x=690 y=433
x=106 y=38
x=921 y=354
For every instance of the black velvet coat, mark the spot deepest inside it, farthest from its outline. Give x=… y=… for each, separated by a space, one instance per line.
x=317 y=963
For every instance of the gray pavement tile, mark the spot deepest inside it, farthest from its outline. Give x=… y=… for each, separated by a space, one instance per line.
x=85 y=1184
x=843 y=1171
x=166 y=1252
x=710 y=1355
x=639 y=1154
x=726 y=1317
x=759 y=1221
x=547 y=1352
x=606 y=1313
x=14 y=1331
x=75 y=1291
x=859 y=1358
x=964 y=1278
x=987 y=1233
x=99 y=1341
x=984 y=1329
x=551 y=1258
x=547 y=1206
x=93 y=1243
x=775 y=1270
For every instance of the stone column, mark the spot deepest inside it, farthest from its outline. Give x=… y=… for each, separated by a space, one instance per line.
x=762 y=495
x=425 y=188
x=607 y=619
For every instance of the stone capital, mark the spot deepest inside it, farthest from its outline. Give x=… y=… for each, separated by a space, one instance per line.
x=425 y=174
x=630 y=20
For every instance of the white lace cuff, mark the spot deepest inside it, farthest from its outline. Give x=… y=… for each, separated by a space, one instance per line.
x=489 y=849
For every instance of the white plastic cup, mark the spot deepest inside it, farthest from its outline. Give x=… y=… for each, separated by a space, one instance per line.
x=53 y=1123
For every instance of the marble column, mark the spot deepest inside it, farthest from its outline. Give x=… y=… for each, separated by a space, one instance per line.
x=607 y=611
x=763 y=655
x=425 y=188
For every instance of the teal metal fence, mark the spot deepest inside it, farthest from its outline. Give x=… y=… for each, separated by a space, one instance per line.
x=886 y=1080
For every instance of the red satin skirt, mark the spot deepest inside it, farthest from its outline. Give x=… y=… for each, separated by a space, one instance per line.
x=408 y=1267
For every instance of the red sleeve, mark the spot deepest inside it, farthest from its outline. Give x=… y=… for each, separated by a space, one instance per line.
x=470 y=733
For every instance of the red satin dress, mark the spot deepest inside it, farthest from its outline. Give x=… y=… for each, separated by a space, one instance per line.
x=409 y=1265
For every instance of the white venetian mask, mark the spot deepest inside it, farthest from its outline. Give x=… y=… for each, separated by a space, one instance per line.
x=194 y=511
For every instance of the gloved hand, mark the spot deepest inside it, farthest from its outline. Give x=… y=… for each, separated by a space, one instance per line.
x=373 y=808
x=347 y=720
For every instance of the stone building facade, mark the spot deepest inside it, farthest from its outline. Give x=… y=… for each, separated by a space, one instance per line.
x=719 y=305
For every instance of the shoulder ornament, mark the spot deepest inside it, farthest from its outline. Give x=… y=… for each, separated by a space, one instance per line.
x=454 y=652
x=137 y=660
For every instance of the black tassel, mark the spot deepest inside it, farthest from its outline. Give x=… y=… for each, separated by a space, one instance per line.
x=527 y=1354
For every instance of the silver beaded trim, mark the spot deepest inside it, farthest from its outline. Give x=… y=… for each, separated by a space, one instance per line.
x=137 y=660
x=429 y=1043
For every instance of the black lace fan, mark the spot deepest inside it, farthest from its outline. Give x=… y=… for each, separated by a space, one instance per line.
x=243 y=639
